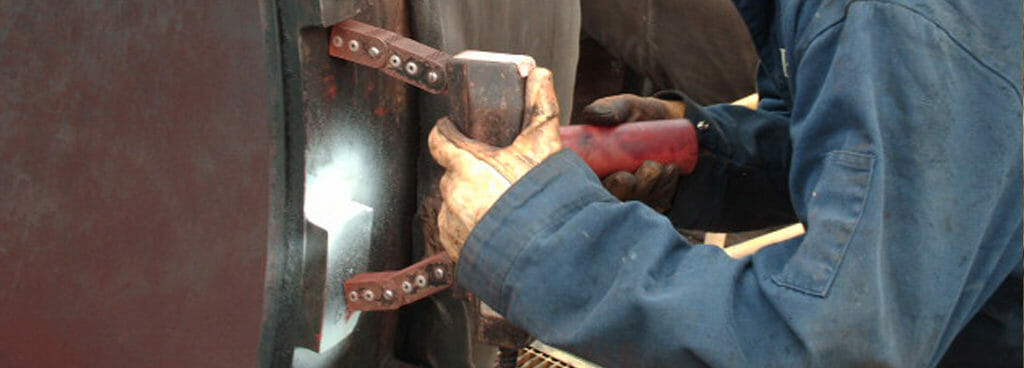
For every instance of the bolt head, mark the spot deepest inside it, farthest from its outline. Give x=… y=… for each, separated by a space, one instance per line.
x=337 y=41
x=353 y=45
x=433 y=77
x=353 y=296
x=395 y=61
x=389 y=295
x=421 y=280
x=439 y=273
x=412 y=68
x=406 y=286
x=368 y=295
x=373 y=51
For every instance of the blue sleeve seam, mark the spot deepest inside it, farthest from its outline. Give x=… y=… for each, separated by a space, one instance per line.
x=804 y=45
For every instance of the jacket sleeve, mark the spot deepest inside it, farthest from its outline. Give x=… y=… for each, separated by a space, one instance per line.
x=908 y=235
x=740 y=181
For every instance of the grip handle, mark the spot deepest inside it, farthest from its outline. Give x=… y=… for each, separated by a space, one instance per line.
x=624 y=147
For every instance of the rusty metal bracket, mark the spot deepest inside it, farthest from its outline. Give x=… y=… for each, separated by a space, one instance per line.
x=390 y=290
x=400 y=57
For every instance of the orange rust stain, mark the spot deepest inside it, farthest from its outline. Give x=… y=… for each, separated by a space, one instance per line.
x=332 y=87
x=380 y=111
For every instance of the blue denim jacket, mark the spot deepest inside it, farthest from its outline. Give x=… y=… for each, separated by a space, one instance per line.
x=892 y=130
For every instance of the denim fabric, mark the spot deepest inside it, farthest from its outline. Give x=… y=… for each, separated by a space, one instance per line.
x=892 y=131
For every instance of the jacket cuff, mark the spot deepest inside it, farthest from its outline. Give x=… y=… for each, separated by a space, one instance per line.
x=710 y=135
x=494 y=245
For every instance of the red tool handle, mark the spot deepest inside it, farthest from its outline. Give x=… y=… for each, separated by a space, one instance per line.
x=624 y=147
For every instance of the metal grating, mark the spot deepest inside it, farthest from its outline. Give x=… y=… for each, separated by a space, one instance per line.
x=539 y=355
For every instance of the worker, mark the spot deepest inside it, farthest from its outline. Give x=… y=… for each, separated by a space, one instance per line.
x=891 y=129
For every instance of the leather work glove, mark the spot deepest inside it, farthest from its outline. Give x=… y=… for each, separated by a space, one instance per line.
x=478 y=174
x=624 y=108
x=653 y=184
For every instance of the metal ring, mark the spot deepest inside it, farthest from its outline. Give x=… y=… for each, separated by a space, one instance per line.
x=337 y=41
x=368 y=295
x=406 y=287
x=412 y=68
x=353 y=296
x=421 y=280
x=353 y=45
x=395 y=61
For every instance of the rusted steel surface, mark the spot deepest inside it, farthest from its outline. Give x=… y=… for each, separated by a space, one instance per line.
x=135 y=145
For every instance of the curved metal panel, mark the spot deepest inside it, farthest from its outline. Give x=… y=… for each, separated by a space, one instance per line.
x=134 y=154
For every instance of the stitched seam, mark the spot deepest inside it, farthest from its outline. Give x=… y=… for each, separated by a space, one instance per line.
x=923 y=16
x=856 y=225
x=853 y=232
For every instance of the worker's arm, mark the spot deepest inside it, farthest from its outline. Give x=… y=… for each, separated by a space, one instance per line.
x=740 y=182
x=741 y=179
x=906 y=169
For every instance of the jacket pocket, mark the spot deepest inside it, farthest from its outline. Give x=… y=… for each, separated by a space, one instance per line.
x=832 y=216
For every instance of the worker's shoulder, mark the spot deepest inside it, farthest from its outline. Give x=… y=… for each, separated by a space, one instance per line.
x=990 y=30
x=971 y=22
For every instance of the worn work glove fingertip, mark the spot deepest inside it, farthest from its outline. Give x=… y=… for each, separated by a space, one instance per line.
x=665 y=189
x=621 y=185
x=607 y=111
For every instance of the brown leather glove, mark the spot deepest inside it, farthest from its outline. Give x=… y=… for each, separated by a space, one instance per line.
x=624 y=108
x=478 y=174
x=653 y=184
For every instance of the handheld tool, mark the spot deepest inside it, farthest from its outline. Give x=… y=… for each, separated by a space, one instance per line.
x=483 y=89
x=486 y=94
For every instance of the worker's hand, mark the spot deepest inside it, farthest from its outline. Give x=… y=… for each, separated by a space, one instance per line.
x=478 y=174
x=624 y=108
x=653 y=183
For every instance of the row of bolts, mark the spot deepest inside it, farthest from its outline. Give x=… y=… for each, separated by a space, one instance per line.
x=407 y=287
x=411 y=68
